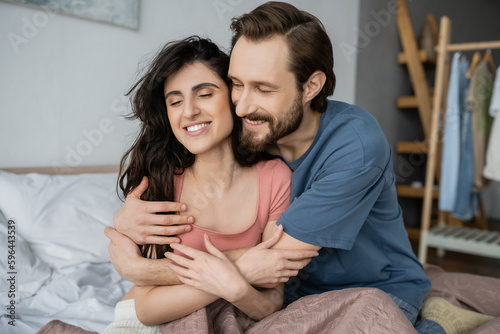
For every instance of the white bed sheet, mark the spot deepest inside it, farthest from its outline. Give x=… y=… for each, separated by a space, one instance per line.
x=84 y=295
x=62 y=268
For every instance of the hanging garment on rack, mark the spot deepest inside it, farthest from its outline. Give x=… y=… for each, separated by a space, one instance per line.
x=454 y=141
x=495 y=98
x=492 y=168
x=478 y=99
x=467 y=201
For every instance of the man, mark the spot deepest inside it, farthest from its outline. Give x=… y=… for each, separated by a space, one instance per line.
x=344 y=201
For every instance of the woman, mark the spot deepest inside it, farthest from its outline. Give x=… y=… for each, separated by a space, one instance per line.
x=188 y=148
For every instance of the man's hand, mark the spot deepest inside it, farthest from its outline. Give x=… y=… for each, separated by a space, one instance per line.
x=123 y=253
x=279 y=264
x=139 y=220
x=129 y=263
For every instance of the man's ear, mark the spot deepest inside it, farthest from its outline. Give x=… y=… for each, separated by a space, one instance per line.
x=313 y=85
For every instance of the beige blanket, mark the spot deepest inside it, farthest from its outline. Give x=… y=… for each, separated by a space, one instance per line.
x=346 y=311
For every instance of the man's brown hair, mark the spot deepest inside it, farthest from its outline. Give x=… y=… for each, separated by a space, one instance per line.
x=309 y=45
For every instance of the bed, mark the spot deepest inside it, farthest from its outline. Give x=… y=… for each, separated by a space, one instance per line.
x=62 y=281
x=59 y=259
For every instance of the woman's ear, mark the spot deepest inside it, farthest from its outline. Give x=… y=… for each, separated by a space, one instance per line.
x=313 y=85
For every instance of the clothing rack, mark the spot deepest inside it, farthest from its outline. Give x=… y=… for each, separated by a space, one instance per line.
x=465 y=240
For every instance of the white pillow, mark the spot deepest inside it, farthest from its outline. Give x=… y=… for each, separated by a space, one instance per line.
x=29 y=273
x=62 y=217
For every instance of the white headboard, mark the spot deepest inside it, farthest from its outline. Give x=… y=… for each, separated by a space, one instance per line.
x=64 y=170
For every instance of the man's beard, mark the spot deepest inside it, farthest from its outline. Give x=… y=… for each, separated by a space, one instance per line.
x=283 y=127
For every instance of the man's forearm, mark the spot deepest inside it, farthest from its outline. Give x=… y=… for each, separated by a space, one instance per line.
x=156 y=272
x=153 y=272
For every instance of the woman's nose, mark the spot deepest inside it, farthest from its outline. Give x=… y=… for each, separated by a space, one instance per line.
x=191 y=109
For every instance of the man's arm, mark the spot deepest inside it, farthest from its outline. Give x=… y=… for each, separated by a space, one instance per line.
x=129 y=263
x=284 y=258
x=354 y=192
x=138 y=223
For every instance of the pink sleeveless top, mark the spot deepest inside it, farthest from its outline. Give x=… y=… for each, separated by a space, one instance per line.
x=274 y=185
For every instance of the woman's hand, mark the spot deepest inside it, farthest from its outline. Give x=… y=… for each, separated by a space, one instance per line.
x=139 y=221
x=211 y=272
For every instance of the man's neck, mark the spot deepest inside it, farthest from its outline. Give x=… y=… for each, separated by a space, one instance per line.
x=296 y=144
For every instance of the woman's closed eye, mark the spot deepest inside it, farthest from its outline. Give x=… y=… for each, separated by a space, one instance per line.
x=175 y=102
x=205 y=93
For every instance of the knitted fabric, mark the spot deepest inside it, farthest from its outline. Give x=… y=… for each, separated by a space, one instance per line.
x=126 y=321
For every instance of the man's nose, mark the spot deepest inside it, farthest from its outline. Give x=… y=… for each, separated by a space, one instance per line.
x=244 y=103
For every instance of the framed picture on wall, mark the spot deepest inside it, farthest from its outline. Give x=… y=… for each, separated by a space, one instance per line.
x=124 y=13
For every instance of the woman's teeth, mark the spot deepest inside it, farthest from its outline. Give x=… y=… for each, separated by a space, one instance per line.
x=196 y=127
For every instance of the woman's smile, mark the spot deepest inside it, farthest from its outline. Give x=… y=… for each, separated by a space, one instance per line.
x=197 y=128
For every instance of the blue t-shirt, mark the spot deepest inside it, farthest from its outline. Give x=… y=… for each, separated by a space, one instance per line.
x=344 y=200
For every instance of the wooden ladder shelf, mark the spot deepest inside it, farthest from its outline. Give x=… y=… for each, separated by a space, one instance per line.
x=415 y=60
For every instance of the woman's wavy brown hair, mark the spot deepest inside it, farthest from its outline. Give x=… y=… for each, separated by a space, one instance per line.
x=156 y=152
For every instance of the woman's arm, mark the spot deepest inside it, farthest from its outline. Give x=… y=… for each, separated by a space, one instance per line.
x=159 y=304
x=258 y=304
x=213 y=272
x=156 y=305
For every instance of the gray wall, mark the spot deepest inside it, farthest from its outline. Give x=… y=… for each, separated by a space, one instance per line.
x=61 y=89
x=380 y=80
x=63 y=78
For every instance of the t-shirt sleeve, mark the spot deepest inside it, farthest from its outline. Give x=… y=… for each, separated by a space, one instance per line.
x=332 y=211
x=281 y=180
